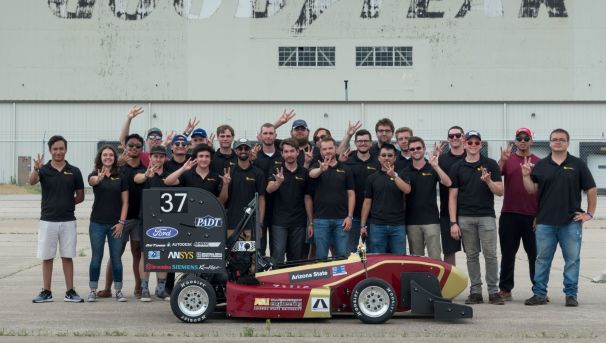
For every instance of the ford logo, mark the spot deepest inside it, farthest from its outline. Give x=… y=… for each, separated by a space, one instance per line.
x=162 y=232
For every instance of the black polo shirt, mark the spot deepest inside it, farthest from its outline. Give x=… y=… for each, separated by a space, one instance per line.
x=212 y=182
x=289 y=205
x=446 y=161
x=361 y=170
x=422 y=202
x=157 y=180
x=387 y=200
x=172 y=165
x=475 y=198
x=135 y=190
x=108 y=199
x=559 y=193
x=268 y=164
x=58 y=188
x=242 y=188
x=221 y=161
x=402 y=162
x=330 y=191
x=375 y=150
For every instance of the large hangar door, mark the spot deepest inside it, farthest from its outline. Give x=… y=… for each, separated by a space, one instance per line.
x=597 y=165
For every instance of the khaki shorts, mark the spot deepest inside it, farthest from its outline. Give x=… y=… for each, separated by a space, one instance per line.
x=52 y=233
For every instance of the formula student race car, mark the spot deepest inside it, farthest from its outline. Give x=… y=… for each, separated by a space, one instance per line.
x=185 y=232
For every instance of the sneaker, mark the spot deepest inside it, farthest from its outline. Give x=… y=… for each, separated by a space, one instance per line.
x=104 y=293
x=92 y=297
x=72 y=297
x=505 y=295
x=163 y=296
x=45 y=296
x=571 y=301
x=120 y=297
x=145 y=297
x=496 y=299
x=535 y=300
x=474 y=298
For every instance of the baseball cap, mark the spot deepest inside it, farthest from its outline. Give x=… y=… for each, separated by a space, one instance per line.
x=524 y=130
x=472 y=133
x=242 y=141
x=199 y=132
x=154 y=130
x=179 y=138
x=158 y=149
x=298 y=123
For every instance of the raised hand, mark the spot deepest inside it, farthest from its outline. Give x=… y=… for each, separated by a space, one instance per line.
x=38 y=161
x=309 y=154
x=286 y=116
x=506 y=153
x=226 y=177
x=389 y=170
x=124 y=159
x=527 y=166
x=151 y=170
x=434 y=160
x=210 y=139
x=190 y=163
x=191 y=125
x=135 y=111
x=485 y=175
x=352 y=128
x=324 y=165
x=169 y=138
x=254 y=152
x=279 y=175
x=344 y=155
x=438 y=148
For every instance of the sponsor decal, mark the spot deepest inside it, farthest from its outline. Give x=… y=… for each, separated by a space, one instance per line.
x=150 y=266
x=208 y=267
x=319 y=304
x=209 y=255
x=155 y=245
x=208 y=222
x=182 y=244
x=275 y=285
x=338 y=270
x=194 y=267
x=280 y=304
x=244 y=246
x=308 y=275
x=153 y=255
x=162 y=232
x=207 y=244
x=181 y=255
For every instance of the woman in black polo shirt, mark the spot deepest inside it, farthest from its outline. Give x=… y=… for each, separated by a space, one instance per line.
x=107 y=218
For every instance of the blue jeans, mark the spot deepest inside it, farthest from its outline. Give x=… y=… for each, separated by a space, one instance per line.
x=354 y=235
x=97 y=233
x=569 y=237
x=329 y=232
x=387 y=238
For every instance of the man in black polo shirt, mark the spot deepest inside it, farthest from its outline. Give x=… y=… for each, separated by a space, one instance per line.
x=62 y=189
x=384 y=129
x=455 y=153
x=384 y=201
x=422 y=216
x=246 y=180
x=292 y=210
x=362 y=164
x=475 y=181
x=308 y=154
x=225 y=157
x=404 y=159
x=334 y=201
x=558 y=180
x=179 y=148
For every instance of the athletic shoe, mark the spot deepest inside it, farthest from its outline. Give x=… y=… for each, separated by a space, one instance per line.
x=163 y=296
x=137 y=293
x=120 y=297
x=72 y=297
x=474 y=298
x=571 y=301
x=505 y=295
x=45 y=296
x=496 y=299
x=145 y=297
x=92 y=297
x=535 y=300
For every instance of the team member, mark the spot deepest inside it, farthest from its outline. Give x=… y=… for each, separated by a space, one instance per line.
x=308 y=154
x=334 y=200
x=225 y=157
x=62 y=189
x=404 y=159
x=179 y=148
x=292 y=210
x=153 y=177
x=384 y=131
x=422 y=216
x=107 y=218
x=558 y=181
x=384 y=201
x=518 y=213
x=455 y=153
x=199 y=136
x=475 y=181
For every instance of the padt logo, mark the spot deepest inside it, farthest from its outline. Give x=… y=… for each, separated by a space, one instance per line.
x=208 y=222
x=162 y=232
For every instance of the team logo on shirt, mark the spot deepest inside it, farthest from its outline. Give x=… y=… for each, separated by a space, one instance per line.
x=340 y=170
x=371 y=168
x=299 y=178
x=211 y=179
x=114 y=178
x=250 y=178
x=425 y=174
x=67 y=173
x=568 y=168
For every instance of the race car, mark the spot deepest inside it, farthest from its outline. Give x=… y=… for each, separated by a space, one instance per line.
x=185 y=231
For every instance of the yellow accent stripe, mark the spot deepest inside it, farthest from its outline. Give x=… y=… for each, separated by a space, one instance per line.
x=320 y=292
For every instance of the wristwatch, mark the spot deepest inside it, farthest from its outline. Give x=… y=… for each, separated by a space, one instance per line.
x=453 y=223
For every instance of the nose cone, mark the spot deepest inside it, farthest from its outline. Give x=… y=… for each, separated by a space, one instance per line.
x=455 y=284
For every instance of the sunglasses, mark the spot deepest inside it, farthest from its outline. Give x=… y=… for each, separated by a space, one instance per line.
x=419 y=148
x=154 y=137
x=318 y=138
x=454 y=135
x=474 y=143
x=243 y=148
x=525 y=139
x=180 y=144
x=387 y=155
x=132 y=145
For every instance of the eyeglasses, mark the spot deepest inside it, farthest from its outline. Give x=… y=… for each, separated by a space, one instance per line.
x=154 y=137
x=319 y=138
x=387 y=155
x=363 y=141
x=132 y=145
x=180 y=144
x=243 y=148
x=384 y=131
x=419 y=148
x=525 y=139
x=474 y=143
x=454 y=135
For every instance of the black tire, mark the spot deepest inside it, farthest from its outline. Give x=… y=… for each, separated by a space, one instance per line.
x=373 y=301
x=193 y=300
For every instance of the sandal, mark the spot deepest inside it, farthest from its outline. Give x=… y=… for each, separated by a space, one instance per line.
x=104 y=293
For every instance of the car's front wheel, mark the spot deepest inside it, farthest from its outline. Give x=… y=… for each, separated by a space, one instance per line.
x=193 y=300
x=373 y=301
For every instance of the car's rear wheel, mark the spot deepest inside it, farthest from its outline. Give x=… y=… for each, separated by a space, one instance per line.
x=193 y=300
x=373 y=301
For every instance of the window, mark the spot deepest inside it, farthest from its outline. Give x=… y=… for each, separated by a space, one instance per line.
x=306 y=56
x=384 y=56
